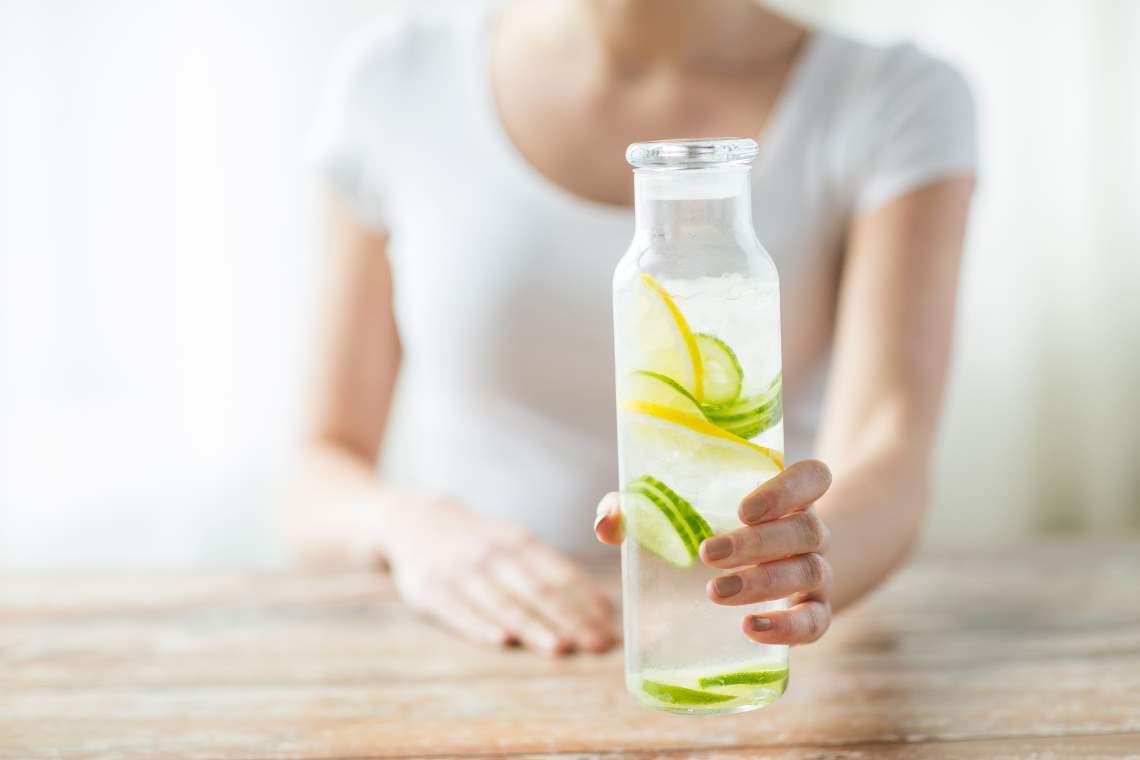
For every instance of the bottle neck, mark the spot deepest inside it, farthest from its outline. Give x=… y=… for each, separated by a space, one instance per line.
x=714 y=202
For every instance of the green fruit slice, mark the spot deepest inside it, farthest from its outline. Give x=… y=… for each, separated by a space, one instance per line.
x=696 y=438
x=679 y=695
x=745 y=677
x=722 y=373
x=660 y=338
x=656 y=388
x=656 y=527
x=697 y=525
x=748 y=417
x=663 y=523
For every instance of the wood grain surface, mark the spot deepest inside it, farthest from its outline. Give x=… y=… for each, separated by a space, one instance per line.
x=1029 y=652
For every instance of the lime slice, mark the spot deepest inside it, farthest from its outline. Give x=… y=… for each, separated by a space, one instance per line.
x=722 y=373
x=698 y=439
x=698 y=527
x=659 y=389
x=748 y=417
x=663 y=342
x=656 y=527
x=745 y=678
x=679 y=695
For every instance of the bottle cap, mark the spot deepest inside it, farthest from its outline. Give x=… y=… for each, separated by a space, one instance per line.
x=692 y=153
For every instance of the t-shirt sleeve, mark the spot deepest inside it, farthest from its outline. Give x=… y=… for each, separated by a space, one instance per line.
x=919 y=129
x=353 y=120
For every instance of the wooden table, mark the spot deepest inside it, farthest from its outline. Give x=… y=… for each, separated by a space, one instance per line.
x=1030 y=653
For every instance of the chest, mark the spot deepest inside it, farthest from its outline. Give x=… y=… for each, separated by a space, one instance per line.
x=574 y=129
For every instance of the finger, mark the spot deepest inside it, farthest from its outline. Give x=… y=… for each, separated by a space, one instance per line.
x=555 y=575
x=561 y=610
x=771 y=580
x=556 y=571
x=495 y=604
x=607 y=526
x=598 y=612
x=791 y=490
x=797 y=533
x=800 y=624
x=461 y=618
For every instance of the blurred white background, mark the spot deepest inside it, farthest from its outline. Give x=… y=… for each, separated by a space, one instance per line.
x=159 y=248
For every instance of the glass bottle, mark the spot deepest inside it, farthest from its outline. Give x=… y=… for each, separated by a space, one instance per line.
x=697 y=349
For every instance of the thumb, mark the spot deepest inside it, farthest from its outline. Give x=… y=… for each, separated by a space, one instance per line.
x=607 y=526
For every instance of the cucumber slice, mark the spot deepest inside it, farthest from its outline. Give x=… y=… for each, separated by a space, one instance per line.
x=722 y=373
x=679 y=695
x=698 y=526
x=749 y=416
x=656 y=527
x=663 y=523
x=656 y=388
x=746 y=678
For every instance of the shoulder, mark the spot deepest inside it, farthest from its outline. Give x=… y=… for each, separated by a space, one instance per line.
x=379 y=89
x=896 y=82
x=405 y=43
x=898 y=117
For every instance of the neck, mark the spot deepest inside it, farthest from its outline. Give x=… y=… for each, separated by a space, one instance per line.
x=635 y=35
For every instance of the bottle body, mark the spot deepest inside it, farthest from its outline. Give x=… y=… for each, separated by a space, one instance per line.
x=697 y=349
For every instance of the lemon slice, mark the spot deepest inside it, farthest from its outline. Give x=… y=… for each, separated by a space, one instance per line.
x=659 y=389
x=700 y=439
x=664 y=344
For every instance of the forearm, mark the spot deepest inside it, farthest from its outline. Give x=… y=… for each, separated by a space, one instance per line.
x=892 y=347
x=338 y=511
x=874 y=511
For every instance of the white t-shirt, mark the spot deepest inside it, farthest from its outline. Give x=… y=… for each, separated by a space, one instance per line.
x=502 y=278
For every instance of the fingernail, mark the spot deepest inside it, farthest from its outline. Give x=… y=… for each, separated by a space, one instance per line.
x=598 y=520
x=753 y=511
x=761 y=623
x=718 y=547
x=728 y=585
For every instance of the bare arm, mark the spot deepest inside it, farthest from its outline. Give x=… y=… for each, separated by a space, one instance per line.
x=338 y=515
x=821 y=537
x=485 y=579
x=892 y=348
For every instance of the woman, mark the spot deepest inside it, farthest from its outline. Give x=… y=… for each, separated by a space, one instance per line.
x=480 y=202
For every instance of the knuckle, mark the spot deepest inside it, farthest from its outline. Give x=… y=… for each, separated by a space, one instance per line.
x=809 y=627
x=824 y=535
x=749 y=542
x=813 y=533
x=559 y=576
x=764 y=577
x=814 y=570
x=818 y=621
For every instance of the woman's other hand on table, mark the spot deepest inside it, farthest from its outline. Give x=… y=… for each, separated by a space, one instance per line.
x=497 y=583
x=778 y=553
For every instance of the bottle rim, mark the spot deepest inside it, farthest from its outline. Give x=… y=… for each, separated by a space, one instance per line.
x=688 y=153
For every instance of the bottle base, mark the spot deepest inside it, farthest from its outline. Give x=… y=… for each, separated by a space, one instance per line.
x=727 y=708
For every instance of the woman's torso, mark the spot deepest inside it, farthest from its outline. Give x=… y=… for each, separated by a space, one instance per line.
x=502 y=277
